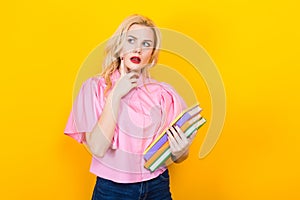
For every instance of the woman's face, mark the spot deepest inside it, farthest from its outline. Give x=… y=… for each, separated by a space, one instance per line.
x=138 y=47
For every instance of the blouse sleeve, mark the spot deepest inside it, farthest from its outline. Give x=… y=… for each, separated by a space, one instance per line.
x=86 y=110
x=172 y=104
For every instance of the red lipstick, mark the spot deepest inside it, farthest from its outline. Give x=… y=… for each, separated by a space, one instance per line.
x=135 y=60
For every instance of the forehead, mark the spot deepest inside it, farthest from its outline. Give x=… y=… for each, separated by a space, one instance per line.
x=140 y=31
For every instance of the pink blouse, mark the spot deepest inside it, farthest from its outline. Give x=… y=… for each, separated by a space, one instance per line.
x=143 y=114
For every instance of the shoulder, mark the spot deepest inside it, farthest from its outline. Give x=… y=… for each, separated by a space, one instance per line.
x=95 y=80
x=94 y=84
x=168 y=92
x=167 y=89
x=158 y=85
x=166 y=86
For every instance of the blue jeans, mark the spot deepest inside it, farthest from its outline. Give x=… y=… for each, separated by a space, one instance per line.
x=154 y=189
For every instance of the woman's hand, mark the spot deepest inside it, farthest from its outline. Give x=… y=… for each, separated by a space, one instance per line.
x=126 y=82
x=179 y=143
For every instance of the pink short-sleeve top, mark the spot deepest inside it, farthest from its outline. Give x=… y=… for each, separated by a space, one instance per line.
x=144 y=113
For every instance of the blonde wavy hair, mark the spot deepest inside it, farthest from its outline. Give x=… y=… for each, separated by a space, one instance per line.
x=115 y=43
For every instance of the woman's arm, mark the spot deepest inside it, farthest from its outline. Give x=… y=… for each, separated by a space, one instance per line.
x=99 y=140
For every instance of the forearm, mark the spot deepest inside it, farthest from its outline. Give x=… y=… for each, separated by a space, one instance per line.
x=99 y=140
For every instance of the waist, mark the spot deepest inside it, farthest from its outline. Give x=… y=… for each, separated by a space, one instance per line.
x=163 y=176
x=118 y=174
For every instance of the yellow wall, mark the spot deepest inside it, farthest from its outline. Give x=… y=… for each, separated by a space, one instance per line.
x=253 y=43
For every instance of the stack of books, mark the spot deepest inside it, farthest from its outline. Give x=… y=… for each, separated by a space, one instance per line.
x=159 y=150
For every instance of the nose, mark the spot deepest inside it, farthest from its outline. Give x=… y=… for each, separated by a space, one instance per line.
x=138 y=49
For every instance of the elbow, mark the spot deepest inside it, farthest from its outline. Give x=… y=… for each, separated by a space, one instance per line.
x=99 y=151
x=99 y=154
x=97 y=146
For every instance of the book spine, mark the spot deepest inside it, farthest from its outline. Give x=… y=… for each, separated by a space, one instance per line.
x=162 y=154
x=160 y=160
x=190 y=122
x=157 y=155
x=182 y=121
x=194 y=127
x=174 y=121
x=164 y=138
x=156 y=146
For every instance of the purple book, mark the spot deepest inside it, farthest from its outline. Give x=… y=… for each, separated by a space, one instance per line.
x=183 y=117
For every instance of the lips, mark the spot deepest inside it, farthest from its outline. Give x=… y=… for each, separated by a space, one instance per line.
x=135 y=60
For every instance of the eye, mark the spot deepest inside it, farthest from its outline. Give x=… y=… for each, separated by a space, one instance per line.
x=146 y=44
x=130 y=40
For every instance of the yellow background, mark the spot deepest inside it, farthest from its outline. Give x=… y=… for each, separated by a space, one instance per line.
x=255 y=45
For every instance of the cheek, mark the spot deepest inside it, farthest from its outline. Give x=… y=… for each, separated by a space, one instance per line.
x=126 y=49
x=147 y=55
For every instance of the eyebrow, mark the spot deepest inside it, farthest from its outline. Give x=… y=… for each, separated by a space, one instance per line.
x=136 y=38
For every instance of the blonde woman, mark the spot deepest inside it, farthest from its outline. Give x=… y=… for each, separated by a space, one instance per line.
x=118 y=114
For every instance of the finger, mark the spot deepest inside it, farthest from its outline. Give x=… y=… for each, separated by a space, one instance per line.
x=180 y=141
x=132 y=80
x=171 y=147
x=175 y=134
x=172 y=141
x=133 y=74
x=181 y=134
x=134 y=85
x=122 y=68
x=133 y=77
x=179 y=144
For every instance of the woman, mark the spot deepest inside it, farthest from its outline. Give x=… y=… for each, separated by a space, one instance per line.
x=118 y=114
